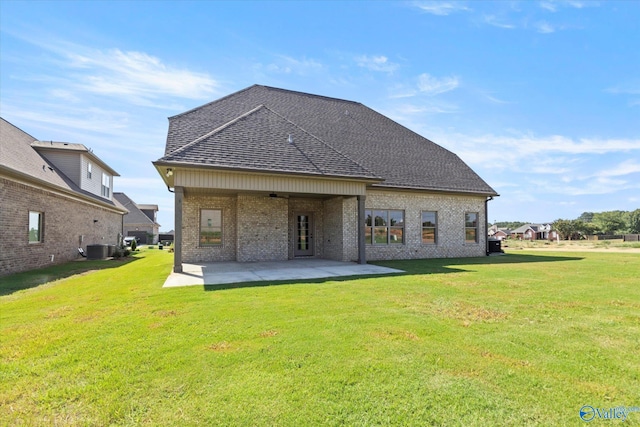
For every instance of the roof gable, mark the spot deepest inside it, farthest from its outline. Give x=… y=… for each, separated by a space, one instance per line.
x=135 y=215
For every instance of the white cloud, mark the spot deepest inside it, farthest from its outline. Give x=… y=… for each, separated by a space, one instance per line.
x=589 y=187
x=441 y=8
x=544 y=27
x=625 y=168
x=376 y=63
x=137 y=75
x=425 y=108
x=432 y=85
x=494 y=21
x=563 y=165
x=625 y=89
x=553 y=6
x=550 y=6
x=577 y=4
x=533 y=145
x=288 y=65
x=134 y=77
x=496 y=100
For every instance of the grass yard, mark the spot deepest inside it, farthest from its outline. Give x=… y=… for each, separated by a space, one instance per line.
x=522 y=339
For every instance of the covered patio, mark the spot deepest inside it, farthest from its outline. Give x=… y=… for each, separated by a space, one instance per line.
x=219 y=273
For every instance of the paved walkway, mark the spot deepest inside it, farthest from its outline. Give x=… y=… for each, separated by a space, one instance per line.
x=218 y=273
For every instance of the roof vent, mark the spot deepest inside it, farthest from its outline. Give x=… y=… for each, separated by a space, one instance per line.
x=290 y=139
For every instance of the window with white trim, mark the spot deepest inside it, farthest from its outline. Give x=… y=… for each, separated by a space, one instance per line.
x=106 y=185
x=36 y=227
x=89 y=167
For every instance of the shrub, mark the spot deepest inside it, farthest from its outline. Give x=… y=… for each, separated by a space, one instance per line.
x=134 y=245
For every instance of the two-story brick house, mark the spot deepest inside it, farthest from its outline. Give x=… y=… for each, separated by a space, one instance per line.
x=55 y=197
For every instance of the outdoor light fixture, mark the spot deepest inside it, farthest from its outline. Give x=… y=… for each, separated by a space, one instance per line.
x=169 y=172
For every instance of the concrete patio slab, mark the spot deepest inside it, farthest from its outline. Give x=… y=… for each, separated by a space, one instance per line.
x=220 y=273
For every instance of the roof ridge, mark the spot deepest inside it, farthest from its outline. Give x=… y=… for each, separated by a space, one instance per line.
x=292 y=142
x=332 y=98
x=321 y=141
x=213 y=102
x=216 y=130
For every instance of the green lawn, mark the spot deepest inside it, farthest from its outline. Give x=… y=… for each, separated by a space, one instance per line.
x=521 y=339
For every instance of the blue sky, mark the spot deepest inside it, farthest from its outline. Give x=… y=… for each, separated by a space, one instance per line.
x=541 y=98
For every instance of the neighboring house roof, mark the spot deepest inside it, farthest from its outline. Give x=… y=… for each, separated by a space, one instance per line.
x=522 y=229
x=146 y=206
x=250 y=129
x=135 y=215
x=67 y=146
x=19 y=158
x=533 y=227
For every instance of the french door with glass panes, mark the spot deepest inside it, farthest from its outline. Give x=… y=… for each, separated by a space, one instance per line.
x=303 y=244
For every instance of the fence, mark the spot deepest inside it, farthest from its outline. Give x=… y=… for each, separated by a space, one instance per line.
x=631 y=237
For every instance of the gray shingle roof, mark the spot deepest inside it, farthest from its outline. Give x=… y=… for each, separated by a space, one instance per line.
x=18 y=156
x=263 y=140
x=135 y=215
x=249 y=130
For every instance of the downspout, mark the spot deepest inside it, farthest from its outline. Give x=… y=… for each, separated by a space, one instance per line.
x=486 y=224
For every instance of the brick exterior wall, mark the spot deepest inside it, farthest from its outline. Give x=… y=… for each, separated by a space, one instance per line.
x=192 y=252
x=350 y=229
x=261 y=228
x=65 y=221
x=333 y=229
x=450 y=210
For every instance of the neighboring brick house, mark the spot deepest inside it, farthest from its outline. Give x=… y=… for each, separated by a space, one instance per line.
x=56 y=197
x=499 y=233
x=140 y=222
x=535 y=232
x=271 y=174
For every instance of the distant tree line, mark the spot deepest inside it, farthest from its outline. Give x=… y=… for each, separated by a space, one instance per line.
x=590 y=223
x=607 y=223
x=511 y=225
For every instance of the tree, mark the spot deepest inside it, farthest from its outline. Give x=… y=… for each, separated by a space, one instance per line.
x=565 y=228
x=510 y=224
x=611 y=222
x=586 y=217
x=634 y=221
x=572 y=229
